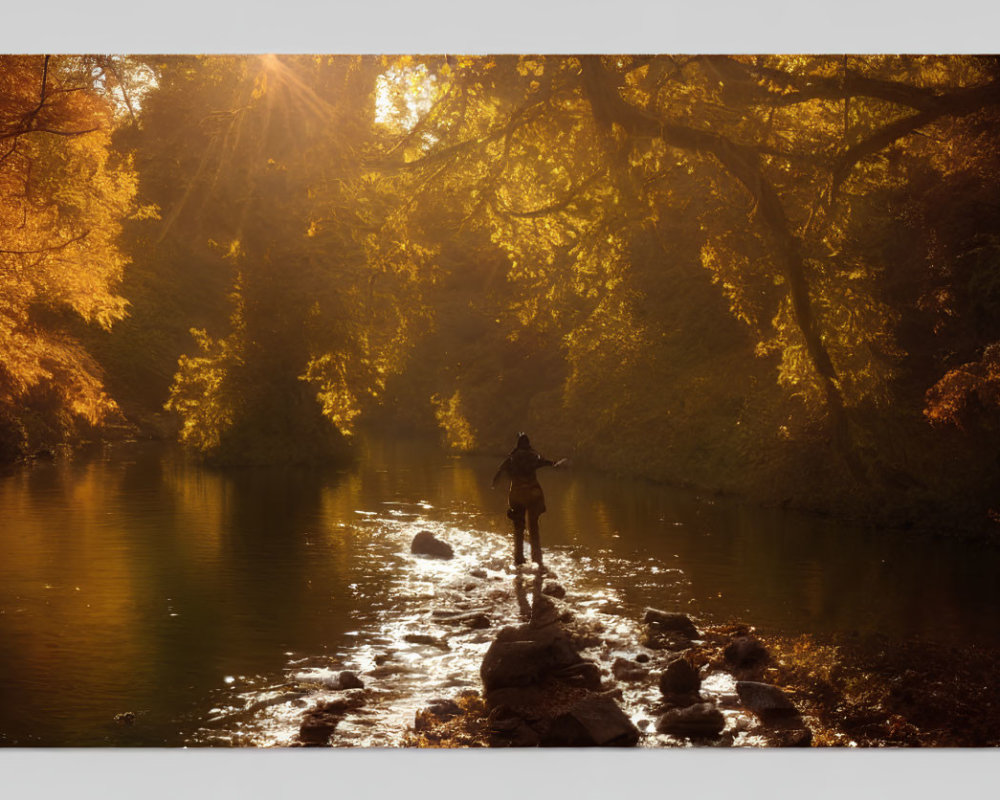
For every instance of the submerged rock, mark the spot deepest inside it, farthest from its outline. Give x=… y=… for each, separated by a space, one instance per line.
x=698 y=721
x=426 y=543
x=592 y=722
x=671 y=621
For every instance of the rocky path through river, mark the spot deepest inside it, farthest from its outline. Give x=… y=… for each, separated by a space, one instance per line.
x=464 y=650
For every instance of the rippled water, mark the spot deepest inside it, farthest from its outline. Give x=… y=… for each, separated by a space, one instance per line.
x=216 y=606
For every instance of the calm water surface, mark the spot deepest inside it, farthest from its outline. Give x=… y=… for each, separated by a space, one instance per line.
x=211 y=603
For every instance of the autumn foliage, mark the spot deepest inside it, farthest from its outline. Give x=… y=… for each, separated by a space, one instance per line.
x=766 y=274
x=64 y=193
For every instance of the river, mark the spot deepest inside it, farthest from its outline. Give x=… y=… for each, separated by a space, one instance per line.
x=213 y=605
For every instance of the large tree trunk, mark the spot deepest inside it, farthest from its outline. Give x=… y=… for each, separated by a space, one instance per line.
x=603 y=90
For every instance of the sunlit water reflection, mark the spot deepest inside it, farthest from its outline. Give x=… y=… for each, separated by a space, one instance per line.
x=218 y=606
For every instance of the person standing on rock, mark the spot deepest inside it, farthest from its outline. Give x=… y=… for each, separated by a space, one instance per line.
x=525 y=498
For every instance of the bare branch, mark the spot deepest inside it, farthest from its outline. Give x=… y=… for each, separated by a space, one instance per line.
x=54 y=247
x=559 y=205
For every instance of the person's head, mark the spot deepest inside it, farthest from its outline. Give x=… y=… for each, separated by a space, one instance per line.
x=522 y=442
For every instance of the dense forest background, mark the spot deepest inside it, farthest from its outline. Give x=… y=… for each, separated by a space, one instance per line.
x=776 y=276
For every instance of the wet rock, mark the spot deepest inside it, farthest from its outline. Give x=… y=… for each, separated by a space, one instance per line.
x=698 y=721
x=321 y=720
x=642 y=658
x=348 y=680
x=522 y=701
x=746 y=652
x=543 y=612
x=592 y=722
x=316 y=729
x=625 y=670
x=505 y=721
x=382 y=658
x=553 y=589
x=478 y=573
x=477 y=621
x=671 y=621
x=679 y=677
x=426 y=543
x=518 y=734
x=766 y=701
x=348 y=701
x=585 y=675
x=509 y=729
x=525 y=659
x=125 y=718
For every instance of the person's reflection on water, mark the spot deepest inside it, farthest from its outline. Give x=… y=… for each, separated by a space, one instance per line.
x=529 y=611
x=525 y=497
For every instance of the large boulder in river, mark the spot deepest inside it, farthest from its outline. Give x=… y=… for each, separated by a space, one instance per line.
x=671 y=621
x=679 y=677
x=595 y=721
x=522 y=661
x=426 y=543
x=698 y=721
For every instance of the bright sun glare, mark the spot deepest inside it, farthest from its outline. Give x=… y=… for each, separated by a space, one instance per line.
x=403 y=95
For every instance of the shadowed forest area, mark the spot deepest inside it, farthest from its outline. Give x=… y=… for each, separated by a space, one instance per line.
x=771 y=276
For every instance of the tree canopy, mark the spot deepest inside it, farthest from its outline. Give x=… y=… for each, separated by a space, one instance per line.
x=771 y=274
x=64 y=193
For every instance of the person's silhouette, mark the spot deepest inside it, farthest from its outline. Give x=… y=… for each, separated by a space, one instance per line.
x=525 y=498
